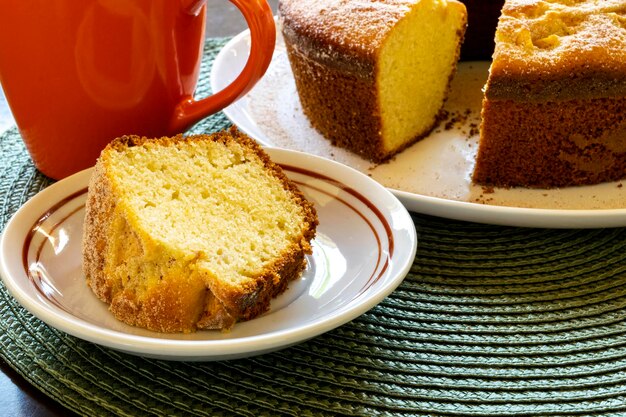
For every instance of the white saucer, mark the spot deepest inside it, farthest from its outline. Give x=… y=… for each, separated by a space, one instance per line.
x=431 y=177
x=364 y=247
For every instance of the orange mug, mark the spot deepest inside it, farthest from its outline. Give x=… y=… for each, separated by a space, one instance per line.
x=78 y=73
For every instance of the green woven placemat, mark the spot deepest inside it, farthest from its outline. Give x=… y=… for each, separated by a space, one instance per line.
x=490 y=321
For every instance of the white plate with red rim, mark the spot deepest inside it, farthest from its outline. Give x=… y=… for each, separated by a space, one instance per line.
x=364 y=247
x=434 y=175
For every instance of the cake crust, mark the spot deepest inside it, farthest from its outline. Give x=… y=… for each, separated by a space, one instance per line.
x=352 y=123
x=581 y=150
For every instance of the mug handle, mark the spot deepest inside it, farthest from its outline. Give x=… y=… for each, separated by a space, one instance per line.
x=260 y=20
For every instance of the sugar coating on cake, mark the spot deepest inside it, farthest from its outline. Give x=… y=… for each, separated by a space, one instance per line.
x=372 y=76
x=554 y=112
x=189 y=233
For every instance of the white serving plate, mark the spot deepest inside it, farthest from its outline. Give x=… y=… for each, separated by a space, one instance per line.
x=365 y=245
x=431 y=177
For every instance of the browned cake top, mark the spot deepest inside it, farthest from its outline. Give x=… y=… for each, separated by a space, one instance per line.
x=557 y=49
x=340 y=29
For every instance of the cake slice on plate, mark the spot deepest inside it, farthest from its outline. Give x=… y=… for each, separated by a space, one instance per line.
x=189 y=233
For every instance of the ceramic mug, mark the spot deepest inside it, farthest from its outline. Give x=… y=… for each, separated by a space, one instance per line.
x=78 y=73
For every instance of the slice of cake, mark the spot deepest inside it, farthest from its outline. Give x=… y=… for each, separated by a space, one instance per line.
x=372 y=76
x=554 y=112
x=189 y=233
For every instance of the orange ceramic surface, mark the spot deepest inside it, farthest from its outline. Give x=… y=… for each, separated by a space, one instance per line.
x=78 y=73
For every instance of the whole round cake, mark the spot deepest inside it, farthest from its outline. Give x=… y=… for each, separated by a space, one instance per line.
x=372 y=76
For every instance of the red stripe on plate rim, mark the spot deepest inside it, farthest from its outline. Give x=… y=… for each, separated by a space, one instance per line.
x=375 y=277
x=36 y=279
x=34 y=274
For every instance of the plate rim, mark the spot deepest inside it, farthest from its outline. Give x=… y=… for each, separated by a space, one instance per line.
x=207 y=350
x=442 y=207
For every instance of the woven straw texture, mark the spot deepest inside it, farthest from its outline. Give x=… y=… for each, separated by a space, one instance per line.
x=490 y=321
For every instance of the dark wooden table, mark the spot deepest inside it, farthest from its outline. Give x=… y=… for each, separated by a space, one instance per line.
x=17 y=396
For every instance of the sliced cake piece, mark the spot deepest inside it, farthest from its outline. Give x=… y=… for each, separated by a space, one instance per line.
x=189 y=233
x=372 y=76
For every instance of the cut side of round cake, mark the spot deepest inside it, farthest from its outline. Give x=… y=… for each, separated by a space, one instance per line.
x=372 y=76
x=188 y=233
